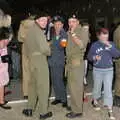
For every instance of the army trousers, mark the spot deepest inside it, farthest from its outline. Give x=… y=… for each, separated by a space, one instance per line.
x=25 y=75
x=56 y=73
x=38 y=87
x=76 y=87
x=117 y=78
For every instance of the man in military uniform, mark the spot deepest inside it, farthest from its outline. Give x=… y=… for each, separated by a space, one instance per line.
x=77 y=43
x=116 y=38
x=24 y=27
x=37 y=49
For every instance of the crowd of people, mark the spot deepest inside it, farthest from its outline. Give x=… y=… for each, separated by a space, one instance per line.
x=50 y=54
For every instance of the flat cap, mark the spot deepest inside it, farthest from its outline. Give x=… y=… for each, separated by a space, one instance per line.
x=57 y=18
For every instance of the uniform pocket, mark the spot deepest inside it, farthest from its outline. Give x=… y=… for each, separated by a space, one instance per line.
x=76 y=62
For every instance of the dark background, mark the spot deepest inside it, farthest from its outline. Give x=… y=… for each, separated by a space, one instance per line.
x=103 y=12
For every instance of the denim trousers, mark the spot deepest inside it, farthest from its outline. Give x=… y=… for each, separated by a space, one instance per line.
x=103 y=77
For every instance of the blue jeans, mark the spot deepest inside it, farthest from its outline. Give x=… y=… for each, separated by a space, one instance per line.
x=105 y=77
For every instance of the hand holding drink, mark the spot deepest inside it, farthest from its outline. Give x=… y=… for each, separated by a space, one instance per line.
x=63 y=43
x=97 y=57
x=75 y=39
x=107 y=43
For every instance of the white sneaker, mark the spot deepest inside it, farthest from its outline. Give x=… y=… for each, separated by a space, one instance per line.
x=96 y=106
x=111 y=116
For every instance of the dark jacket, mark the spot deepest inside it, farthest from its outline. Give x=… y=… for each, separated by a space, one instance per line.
x=57 y=52
x=106 y=53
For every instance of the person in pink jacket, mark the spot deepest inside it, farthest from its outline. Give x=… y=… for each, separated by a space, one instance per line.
x=4 y=59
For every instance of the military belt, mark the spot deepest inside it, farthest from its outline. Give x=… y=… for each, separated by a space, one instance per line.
x=36 y=53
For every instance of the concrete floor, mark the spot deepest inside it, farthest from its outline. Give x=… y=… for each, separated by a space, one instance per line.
x=58 y=113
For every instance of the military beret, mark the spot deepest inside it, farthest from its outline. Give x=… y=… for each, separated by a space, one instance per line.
x=58 y=18
x=41 y=14
x=74 y=16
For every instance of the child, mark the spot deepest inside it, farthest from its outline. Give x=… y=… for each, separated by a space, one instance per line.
x=101 y=54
